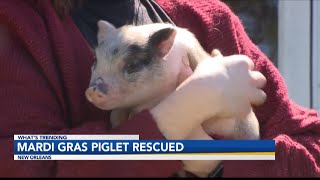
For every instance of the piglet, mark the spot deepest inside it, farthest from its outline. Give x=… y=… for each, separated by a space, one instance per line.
x=138 y=66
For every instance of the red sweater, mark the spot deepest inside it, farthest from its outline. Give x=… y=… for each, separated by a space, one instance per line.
x=45 y=69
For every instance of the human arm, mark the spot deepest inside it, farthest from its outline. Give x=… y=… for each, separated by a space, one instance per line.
x=294 y=128
x=229 y=85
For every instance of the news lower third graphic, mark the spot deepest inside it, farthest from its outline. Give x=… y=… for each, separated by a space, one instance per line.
x=129 y=147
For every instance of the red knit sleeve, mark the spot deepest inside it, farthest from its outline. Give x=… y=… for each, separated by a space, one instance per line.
x=28 y=105
x=295 y=129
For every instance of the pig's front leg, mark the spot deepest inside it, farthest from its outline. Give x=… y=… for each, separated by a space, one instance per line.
x=118 y=116
x=200 y=168
x=234 y=128
x=247 y=128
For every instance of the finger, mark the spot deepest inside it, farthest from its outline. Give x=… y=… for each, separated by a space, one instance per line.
x=259 y=80
x=258 y=97
x=216 y=53
x=241 y=60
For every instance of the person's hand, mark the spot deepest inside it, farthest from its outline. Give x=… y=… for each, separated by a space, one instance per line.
x=229 y=84
x=220 y=87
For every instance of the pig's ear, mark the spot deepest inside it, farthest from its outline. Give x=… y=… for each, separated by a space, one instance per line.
x=104 y=28
x=162 y=41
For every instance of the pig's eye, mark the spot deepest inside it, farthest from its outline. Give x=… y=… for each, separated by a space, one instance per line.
x=133 y=67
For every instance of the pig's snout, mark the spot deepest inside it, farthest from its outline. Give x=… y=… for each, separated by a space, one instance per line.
x=94 y=95
x=100 y=85
x=97 y=91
